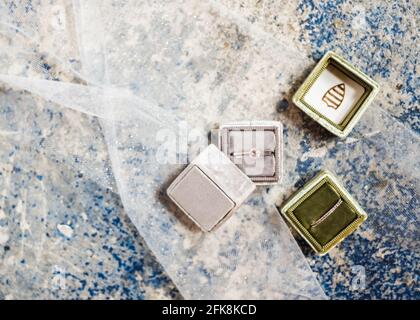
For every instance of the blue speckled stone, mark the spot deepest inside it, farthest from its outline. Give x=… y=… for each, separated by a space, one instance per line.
x=64 y=233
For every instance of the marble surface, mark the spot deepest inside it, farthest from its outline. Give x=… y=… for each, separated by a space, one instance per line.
x=64 y=233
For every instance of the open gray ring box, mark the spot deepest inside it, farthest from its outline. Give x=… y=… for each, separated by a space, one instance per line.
x=210 y=189
x=256 y=147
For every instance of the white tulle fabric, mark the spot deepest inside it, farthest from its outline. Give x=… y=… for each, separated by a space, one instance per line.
x=142 y=68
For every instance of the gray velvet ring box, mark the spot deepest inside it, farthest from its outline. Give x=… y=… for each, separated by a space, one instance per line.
x=256 y=147
x=210 y=189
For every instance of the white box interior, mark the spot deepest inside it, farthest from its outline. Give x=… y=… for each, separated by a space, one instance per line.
x=327 y=97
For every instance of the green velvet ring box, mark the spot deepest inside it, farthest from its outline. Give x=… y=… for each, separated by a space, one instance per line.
x=323 y=212
x=336 y=94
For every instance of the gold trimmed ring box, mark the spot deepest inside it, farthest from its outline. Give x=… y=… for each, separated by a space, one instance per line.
x=336 y=94
x=323 y=212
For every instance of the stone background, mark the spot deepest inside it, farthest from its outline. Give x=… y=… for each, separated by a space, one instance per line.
x=81 y=244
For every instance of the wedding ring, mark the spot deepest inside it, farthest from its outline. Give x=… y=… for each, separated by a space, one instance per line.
x=327 y=214
x=253 y=153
